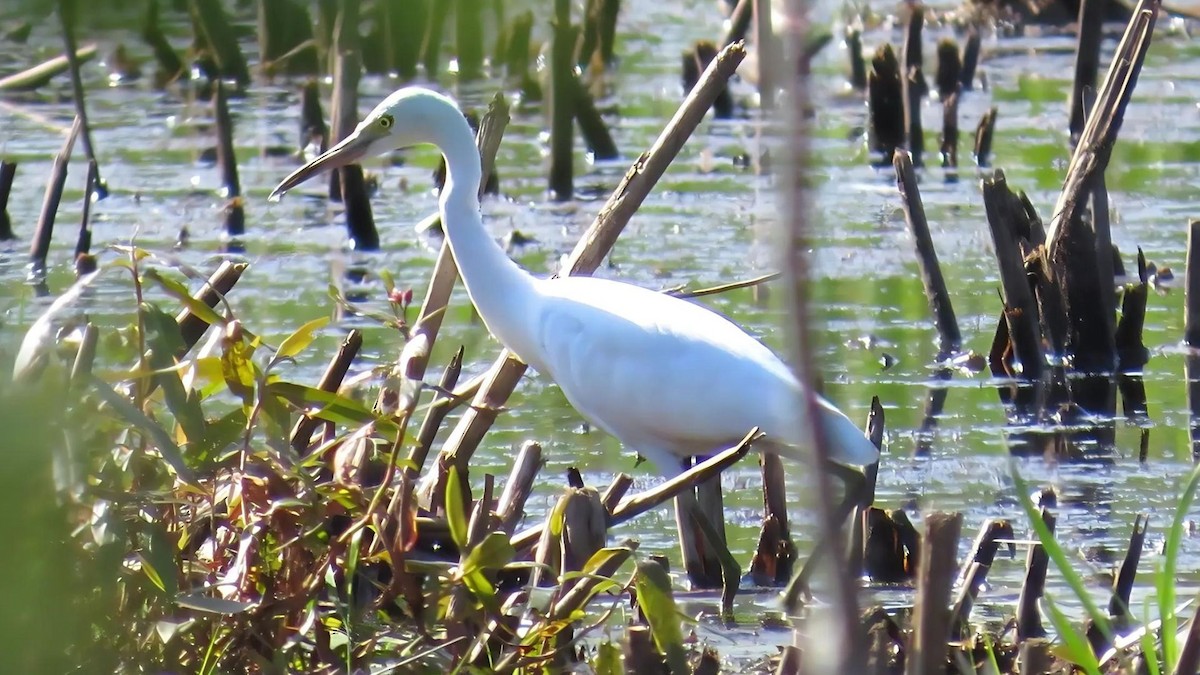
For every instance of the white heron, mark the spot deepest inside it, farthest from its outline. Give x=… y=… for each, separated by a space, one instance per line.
x=668 y=378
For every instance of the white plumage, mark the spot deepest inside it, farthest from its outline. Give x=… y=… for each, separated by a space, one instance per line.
x=665 y=376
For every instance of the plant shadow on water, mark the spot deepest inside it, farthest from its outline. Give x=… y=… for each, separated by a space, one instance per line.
x=709 y=221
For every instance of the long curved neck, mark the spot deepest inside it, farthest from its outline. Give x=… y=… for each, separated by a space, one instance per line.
x=498 y=287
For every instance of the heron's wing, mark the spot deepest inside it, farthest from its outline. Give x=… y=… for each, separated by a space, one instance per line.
x=655 y=370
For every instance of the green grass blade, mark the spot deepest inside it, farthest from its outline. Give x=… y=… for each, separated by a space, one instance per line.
x=1165 y=577
x=1059 y=557
x=1075 y=643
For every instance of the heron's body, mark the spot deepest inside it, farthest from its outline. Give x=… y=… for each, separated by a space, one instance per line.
x=665 y=376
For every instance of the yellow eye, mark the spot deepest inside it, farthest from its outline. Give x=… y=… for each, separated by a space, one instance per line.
x=385 y=121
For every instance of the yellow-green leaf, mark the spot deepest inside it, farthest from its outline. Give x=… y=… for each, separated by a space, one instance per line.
x=456 y=518
x=299 y=340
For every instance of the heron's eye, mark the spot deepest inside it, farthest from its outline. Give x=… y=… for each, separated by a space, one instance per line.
x=386 y=121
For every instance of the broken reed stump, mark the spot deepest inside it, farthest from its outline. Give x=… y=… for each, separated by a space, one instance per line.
x=215 y=33
x=286 y=42
x=170 y=66
x=432 y=50
x=591 y=125
x=67 y=15
x=769 y=54
x=949 y=68
x=885 y=104
x=39 y=247
x=8 y=171
x=973 y=573
x=912 y=84
x=468 y=32
x=513 y=46
x=858 y=66
x=85 y=263
x=330 y=380
x=931 y=620
x=739 y=22
x=775 y=556
x=435 y=416
x=231 y=187
x=313 y=130
x=1087 y=61
x=875 y=428
x=701 y=556
x=1118 y=603
x=949 y=138
x=1021 y=313
x=983 y=137
x=394 y=43
x=1029 y=617
x=970 y=59
x=1191 y=331
x=890 y=545
x=562 y=103
x=695 y=61
x=360 y=222
x=949 y=336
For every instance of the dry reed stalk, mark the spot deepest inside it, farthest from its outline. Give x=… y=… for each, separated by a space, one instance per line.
x=928 y=648
x=970 y=58
x=352 y=188
x=214 y=30
x=974 y=573
x=858 y=66
x=8 y=171
x=1029 y=617
x=840 y=647
x=886 y=128
x=511 y=506
x=435 y=415
x=214 y=290
x=1087 y=62
x=330 y=381
x=1020 y=309
x=631 y=507
x=66 y=13
x=983 y=136
x=775 y=555
x=949 y=337
x=32 y=78
x=1191 y=331
x=40 y=244
x=1100 y=132
x=235 y=217
x=561 y=101
x=83 y=243
x=595 y=244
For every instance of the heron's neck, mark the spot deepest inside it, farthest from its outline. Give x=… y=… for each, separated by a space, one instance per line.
x=498 y=287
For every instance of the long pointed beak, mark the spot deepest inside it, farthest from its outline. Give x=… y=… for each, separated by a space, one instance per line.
x=352 y=148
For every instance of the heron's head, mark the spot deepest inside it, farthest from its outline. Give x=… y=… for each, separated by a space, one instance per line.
x=409 y=116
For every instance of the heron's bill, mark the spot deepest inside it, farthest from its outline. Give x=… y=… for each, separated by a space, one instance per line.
x=352 y=148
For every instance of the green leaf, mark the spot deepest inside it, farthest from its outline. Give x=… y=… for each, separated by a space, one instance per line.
x=608 y=659
x=1075 y=644
x=238 y=369
x=158 y=559
x=165 y=340
x=218 y=436
x=455 y=516
x=300 y=339
x=331 y=407
x=180 y=292
x=494 y=552
x=136 y=418
x=1165 y=574
x=1059 y=557
x=654 y=597
x=205 y=603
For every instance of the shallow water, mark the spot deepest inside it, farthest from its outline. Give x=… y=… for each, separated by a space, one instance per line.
x=708 y=222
